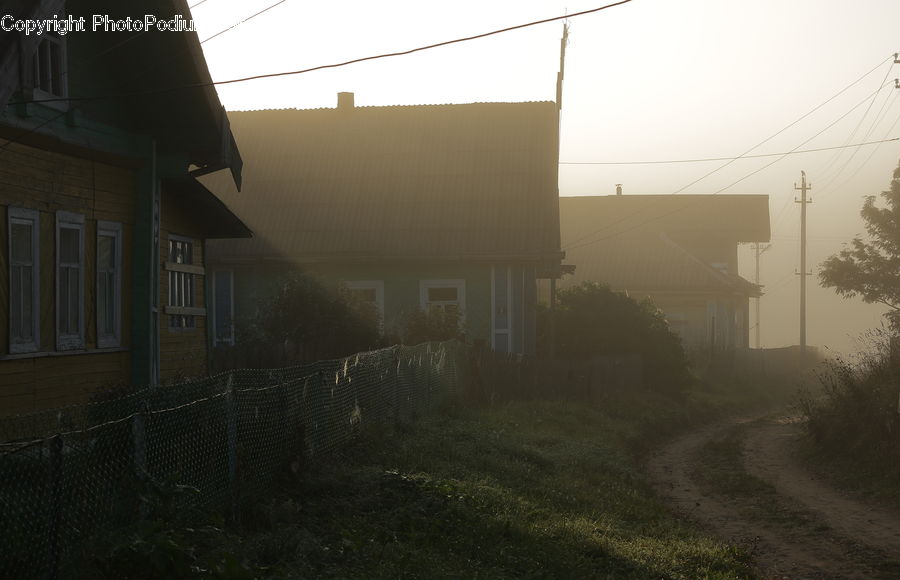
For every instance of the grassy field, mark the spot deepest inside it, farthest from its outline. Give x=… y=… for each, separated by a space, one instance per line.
x=528 y=490
x=520 y=490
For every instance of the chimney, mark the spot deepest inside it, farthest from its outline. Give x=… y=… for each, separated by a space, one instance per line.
x=345 y=102
x=618 y=189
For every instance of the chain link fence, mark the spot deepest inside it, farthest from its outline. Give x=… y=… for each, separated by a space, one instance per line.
x=202 y=446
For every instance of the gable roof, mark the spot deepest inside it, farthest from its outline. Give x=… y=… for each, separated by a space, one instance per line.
x=653 y=262
x=146 y=65
x=740 y=217
x=627 y=241
x=470 y=181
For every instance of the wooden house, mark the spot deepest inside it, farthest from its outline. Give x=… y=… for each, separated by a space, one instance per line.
x=678 y=250
x=411 y=207
x=103 y=225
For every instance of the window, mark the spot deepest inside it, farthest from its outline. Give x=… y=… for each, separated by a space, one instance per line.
x=69 y=280
x=181 y=282
x=109 y=284
x=49 y=66
x=223 y=313
x=24 y=277
x=368 y=292
x=448 y=296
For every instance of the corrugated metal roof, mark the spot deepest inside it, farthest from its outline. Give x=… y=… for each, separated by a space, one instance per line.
x=429 y=181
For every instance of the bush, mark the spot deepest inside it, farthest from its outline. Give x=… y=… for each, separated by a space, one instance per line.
x=593 y=320
x=305 y=320
x=430 y=325
x=855 y=415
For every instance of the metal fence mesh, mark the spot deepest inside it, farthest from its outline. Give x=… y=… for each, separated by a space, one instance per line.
x=206 y=445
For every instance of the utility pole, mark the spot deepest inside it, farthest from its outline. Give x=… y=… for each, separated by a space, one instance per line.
x=803 y=273
x=760 y=249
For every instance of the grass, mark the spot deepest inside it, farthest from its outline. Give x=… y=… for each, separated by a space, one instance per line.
x=529 y=490
x=521 y=490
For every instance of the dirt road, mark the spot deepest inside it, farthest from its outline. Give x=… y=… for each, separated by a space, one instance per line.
x=835 y=536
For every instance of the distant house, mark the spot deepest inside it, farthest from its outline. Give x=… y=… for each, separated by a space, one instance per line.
x=103 y=225
x=411 y=207
x=678 y=250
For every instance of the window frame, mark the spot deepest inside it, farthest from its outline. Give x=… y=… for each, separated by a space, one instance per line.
x=458 y=283
x=191 y=270
x=114 y=230
x=76 y=221
x=378 y=286
x=36 y=65
x=18 y=214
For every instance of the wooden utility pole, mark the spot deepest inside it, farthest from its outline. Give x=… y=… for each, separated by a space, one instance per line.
x=803 y=273
x=760 y=249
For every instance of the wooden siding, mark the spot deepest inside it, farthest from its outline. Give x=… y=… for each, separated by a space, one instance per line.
x=182 y=351
x=47 y=182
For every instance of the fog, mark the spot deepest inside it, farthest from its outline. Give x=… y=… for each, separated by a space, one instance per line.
x=648 y=80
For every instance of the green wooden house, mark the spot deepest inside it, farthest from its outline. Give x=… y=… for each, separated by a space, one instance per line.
x=103 y=224
x=411 y=207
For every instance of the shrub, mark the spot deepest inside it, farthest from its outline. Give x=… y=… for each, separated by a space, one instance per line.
x=855 y=414
x=593 y=320
x=430 y=325
x=305 y=320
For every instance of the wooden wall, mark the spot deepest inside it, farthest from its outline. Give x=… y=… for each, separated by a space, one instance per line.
x=47 y=181
x=183 y=352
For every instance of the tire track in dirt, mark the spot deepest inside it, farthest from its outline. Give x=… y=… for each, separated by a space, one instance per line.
x=769 y=446
x=777 y=552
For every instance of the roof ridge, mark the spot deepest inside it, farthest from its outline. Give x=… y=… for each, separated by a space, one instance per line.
x=408 y=106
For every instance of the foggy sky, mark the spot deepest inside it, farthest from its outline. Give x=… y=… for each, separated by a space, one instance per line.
x=653 y=79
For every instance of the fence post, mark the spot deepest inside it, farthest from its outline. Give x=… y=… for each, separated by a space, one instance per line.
x=231 y=436
x=139 y=437
x=56 y=507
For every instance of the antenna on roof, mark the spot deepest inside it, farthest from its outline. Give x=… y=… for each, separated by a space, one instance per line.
x=564 y=41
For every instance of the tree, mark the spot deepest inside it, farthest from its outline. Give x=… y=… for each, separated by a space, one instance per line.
x=591 y=320
x=314 y=320
x=870 y=268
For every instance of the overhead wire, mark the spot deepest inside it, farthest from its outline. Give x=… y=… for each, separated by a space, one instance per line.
x=326 y=66
x=263 y=11
x=580 y=242
x=859 y=124
x=701 y=160
x=783 y=129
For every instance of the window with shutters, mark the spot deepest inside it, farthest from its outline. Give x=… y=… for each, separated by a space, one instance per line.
x=109 y=284
x=69 y=280
x=23 y=226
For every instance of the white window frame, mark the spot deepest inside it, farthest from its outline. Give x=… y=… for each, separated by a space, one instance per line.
x=60 y=42
x=378 y=286
x=70 y=220
x=28 y=217
x=215 y=308
x=113 y=230
x=459 y=284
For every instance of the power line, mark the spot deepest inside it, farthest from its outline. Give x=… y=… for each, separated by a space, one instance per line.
x=858 y=125
x=724 y=158
x=816 y=108
x=325 y=66
x=575 y=244
x=841 y=118
x=264 y=10
x=786 y=127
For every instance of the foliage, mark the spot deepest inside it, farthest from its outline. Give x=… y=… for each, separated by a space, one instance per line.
x=591 y=319
x=855 y=414
x=430 y=325
x=305 y=316
x=871 y=269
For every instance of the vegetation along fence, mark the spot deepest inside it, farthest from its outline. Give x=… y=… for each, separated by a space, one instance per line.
x=204 y=445
x=74 y=476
